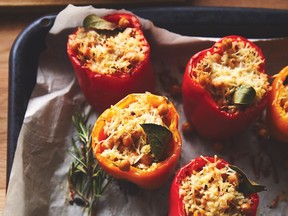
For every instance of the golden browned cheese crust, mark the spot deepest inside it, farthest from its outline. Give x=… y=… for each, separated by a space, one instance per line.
x=109 y=52
x=221 y=75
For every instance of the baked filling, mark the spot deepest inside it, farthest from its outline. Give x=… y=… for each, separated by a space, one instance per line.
x=283 y=96
x=126 y=143
x=213 y=191
x=109 y=52
x=234 y=64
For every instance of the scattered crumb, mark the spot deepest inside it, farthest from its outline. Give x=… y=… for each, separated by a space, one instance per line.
x=176 y=90
x=281 y=197
x=187 y=128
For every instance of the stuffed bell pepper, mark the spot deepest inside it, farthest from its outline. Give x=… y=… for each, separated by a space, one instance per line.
x=225 y=87
x=277 y=112
x=138 y=140
x=111 y=58
x=210 y=186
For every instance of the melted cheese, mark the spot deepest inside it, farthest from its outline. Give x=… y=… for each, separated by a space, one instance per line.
x=221 y=74
x=283 y=99
x=109 y=53
x=209 y=192
x=127 y=121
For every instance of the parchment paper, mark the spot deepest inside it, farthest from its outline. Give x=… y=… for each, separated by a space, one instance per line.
x=38 y=184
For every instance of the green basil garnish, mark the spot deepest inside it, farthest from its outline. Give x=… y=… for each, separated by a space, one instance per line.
x=159 y=138
x=96 y=22
x=244 y=95
x=247 y=186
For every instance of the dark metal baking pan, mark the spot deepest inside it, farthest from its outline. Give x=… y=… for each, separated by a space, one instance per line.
x=190 y=21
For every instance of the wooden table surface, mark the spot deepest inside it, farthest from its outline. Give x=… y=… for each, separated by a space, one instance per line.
x=16 y=15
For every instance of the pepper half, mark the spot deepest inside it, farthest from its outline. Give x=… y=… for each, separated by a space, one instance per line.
x=277 y=112
x=225 y=87
x=111 y=63
x=122 y=147
x=177 y=205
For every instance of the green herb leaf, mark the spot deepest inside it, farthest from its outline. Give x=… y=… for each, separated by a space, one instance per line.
x=94 y=21
x=247 y=186
x=244 y=95
x=159 y=138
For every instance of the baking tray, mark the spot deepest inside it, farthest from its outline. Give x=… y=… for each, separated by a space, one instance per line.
x=191 y=21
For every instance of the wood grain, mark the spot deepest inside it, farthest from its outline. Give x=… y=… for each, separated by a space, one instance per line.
x=276 y=4
x=12 y=23
x=79 y=2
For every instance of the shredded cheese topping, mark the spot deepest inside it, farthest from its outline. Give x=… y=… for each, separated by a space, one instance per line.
x=109 y=52
x=212 y=192
x=283 y=99
x=221 y=73
x=125 y=122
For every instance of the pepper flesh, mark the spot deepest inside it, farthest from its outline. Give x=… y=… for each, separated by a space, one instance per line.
x=201 y=109
x=148 y=179
x=277 y=112
x=176 y=206
x=102 y=90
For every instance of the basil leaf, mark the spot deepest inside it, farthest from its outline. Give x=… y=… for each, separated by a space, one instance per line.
x=159 y=138
x=244 y=95
x=94 y=21
x=247 y=186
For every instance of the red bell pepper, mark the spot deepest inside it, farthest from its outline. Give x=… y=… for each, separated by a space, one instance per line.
x=213 y=111
x=176 y=203
x=146 y=172
x=277 y=112
x=103 y=89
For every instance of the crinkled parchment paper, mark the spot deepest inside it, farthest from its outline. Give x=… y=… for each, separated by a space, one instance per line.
x=38 y=184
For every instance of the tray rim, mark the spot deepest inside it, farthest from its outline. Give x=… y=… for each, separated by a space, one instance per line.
x=44 y=23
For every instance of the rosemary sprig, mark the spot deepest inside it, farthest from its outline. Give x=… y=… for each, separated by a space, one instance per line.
x=87 y=181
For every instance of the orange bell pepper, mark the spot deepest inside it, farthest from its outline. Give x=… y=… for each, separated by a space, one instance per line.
x=157 y=173
x=277 y=112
